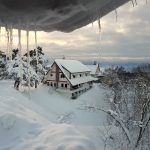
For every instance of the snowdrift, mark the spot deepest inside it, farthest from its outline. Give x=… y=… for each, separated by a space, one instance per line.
x=48 y=121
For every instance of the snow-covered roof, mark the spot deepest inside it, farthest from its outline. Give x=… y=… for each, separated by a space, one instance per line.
x=48 y=65
x=92 y=68
x=72 y=66
x=80 y=80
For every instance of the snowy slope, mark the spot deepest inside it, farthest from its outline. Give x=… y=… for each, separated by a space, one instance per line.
x=49 y=121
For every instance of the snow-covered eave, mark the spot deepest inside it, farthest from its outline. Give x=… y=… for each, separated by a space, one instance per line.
x=72 y=72
x=52 y=15
x=76 y=81
x=72 y=66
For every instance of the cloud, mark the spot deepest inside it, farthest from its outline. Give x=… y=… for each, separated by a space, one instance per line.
x=127 y=38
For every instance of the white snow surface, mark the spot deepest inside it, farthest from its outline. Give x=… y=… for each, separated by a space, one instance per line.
x=81 y=80
x=72 y=66
x=46 y=120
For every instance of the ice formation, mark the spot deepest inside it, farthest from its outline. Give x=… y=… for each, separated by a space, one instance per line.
x=28 y=59
x=11 y=41
x=36 y=48
x=20 y=53
x=51 y=15
x=7 y=42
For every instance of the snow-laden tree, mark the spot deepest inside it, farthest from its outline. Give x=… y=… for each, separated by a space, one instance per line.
x=17 y=68
x=3 y=71
x=130 y=108
x=40 y=67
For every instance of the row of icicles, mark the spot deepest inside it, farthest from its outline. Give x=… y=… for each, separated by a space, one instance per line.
x=9 y=44
x=134 y=3
x=9 y=40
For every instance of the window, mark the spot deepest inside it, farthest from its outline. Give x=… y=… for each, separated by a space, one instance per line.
x=62 y=75
x=51 y=84
x=51 y=74
x=62 y=85
x=80 y=75
x=65 y=85
x=73 y=76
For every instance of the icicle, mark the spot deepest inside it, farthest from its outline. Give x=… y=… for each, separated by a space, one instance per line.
x=90 y=18
x=146 y=1
x=116 y=14
x=36 y=50
x=135 y=2
x=7 y=42
x=0 y=32
x=28 y=60
x=92 y=24
x=100 y=28
x=20 y=54
x=99 y=22
x=132 y=2
x=99 y=25
x=10 y=42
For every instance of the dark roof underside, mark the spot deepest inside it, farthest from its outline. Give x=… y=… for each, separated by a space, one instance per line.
x=51 y=15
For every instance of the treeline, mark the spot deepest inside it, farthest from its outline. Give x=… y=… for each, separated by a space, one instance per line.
x=130 y=107
x=142 y=68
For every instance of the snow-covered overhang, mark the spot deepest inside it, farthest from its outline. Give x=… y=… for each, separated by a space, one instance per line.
x=51 y=15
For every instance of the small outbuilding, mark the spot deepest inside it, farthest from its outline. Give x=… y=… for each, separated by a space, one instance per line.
x=95 y=70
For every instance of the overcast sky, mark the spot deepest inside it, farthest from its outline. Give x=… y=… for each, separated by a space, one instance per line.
x=126 y=39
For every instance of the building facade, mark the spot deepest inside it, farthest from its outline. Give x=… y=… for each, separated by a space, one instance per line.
x=69 y=77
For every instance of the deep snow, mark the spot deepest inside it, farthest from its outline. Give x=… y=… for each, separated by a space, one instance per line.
x=48 y=121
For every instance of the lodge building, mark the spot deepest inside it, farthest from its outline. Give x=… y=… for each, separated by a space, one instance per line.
x=70 y=77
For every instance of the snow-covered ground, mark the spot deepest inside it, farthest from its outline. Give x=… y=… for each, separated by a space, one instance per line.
x=45 y=120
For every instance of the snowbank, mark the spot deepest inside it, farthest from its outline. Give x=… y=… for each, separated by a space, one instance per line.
x=49 y=121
